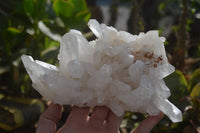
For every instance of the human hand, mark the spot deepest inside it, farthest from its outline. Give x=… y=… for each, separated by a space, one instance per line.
x=102 y=120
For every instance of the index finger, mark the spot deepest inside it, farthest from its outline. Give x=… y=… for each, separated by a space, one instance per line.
x=47 y=121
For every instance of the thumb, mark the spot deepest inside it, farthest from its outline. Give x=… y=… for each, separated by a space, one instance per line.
x=148 y=123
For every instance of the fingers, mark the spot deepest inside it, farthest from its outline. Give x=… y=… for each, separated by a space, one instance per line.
x=148 y=124
x=99 y=115
x=78 y=116
x=102 y=118
x=113 y=121
x=48 y=120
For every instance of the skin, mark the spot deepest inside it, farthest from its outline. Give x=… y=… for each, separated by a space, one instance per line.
x=102 y=120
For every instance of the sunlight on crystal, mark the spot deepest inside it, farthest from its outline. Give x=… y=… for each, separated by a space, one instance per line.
x=118 y=70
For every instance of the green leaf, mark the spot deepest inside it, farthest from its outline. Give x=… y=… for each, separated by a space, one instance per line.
x=74 y=13
x=40 y=12
x=195 y=91
x=177 y=85
x=63 y=8
x=29 y=6
x=80 y=5
x=13 y=30
x=70 y=8
x=35 y=8
x=84 y=15
x=195 y=78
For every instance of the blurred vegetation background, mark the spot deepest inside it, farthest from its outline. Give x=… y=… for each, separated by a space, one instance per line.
x=34 y=27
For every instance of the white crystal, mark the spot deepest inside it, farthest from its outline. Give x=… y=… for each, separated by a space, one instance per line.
x=95 y=27
x=75 y=69
x=101 y=78
x=118 y=70
x=136 y=69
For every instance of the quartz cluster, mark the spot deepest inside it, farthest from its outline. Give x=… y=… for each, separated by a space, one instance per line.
x=119 y=70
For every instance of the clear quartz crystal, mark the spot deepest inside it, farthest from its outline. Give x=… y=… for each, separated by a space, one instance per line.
x=119 y=70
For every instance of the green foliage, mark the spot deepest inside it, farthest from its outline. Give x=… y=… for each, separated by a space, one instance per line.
x=29 y=7
x=17 y=111
x=177 y=84
x=195 y=78
x=63 y=8
x=22 y=34
x=131 y=120
x=13 y=30
x=71 y=12
x=195 y=91
x=35 y=8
